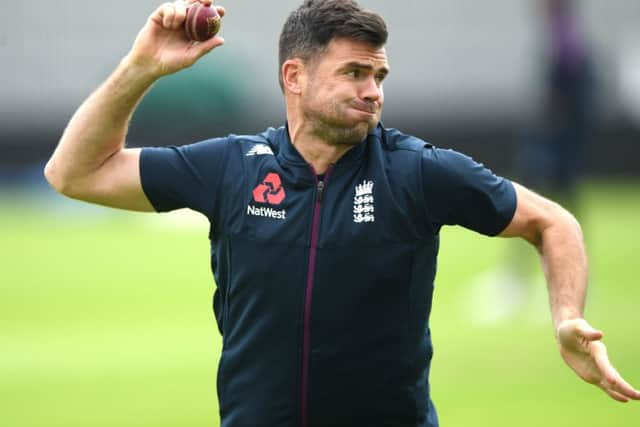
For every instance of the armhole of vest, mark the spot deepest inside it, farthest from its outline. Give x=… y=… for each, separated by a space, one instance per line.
x=418 y=146
x=220 y=176
x=423 y=193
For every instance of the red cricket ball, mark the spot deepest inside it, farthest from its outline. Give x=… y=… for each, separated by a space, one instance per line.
x=202 y=22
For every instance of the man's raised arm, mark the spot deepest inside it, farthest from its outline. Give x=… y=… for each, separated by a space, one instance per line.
x=91 y=162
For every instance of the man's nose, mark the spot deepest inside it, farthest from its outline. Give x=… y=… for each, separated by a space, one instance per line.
x=371 y=90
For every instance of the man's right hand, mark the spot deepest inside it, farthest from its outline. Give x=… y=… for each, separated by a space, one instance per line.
x=162 y=46
x=91 y=162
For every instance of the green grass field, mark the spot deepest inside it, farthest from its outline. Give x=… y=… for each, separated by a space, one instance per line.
x=105 y=320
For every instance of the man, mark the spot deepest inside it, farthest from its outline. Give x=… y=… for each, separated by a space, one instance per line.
x=324 y=232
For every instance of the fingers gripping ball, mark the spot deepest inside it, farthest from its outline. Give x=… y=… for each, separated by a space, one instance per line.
x=202 y=22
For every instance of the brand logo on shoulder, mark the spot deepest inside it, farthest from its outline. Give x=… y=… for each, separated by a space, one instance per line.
x=271 y=192
x=363 y=203
x=259 y=150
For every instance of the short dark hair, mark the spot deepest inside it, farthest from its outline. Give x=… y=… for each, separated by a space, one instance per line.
x=311 y=27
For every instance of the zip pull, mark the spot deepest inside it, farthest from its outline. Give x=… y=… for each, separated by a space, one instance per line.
x=320 y=190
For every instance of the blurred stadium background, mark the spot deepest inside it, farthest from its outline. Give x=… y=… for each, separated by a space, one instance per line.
x=105 y=316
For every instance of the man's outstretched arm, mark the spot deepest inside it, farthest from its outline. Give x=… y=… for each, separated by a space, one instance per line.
x=91 y=162
x=558 y=238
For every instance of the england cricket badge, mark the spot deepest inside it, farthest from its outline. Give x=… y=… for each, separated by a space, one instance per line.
x=363 y=204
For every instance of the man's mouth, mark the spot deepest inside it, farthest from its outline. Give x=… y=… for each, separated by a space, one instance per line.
x=367 y=107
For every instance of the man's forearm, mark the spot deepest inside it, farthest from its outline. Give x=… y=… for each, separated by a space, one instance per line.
x=98 y=128
x=564 y=262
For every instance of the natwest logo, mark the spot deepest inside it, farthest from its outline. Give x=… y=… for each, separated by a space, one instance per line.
x=270 y=190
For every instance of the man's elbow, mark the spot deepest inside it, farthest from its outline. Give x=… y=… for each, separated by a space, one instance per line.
x=58 y=180
x=563 y=223
x=572 y=223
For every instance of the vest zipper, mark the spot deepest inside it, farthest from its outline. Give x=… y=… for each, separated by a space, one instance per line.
x=306 y=340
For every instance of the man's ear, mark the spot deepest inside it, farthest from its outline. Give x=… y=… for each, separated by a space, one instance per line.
x=293 y=76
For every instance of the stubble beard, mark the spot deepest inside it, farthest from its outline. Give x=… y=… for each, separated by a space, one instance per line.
x=336 y=131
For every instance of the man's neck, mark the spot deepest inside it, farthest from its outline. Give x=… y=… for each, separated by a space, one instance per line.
x=316 y=151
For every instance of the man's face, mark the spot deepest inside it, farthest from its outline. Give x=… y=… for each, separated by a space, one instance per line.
x=343 y=96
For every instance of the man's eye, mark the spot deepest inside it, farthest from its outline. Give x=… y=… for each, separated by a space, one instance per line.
x=353 y=73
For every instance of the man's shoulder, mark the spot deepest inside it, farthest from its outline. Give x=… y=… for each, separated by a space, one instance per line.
x=264 y=143
x=395 y=140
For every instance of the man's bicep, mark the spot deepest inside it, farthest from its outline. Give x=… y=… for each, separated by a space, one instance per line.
x=461 y=191
x=188 y=176
x=532 y=215
x=117 y=183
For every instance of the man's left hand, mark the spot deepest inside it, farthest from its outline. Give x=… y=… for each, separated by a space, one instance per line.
x=582 y=349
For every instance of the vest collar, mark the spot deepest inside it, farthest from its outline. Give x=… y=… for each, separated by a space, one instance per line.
x=288 y=154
